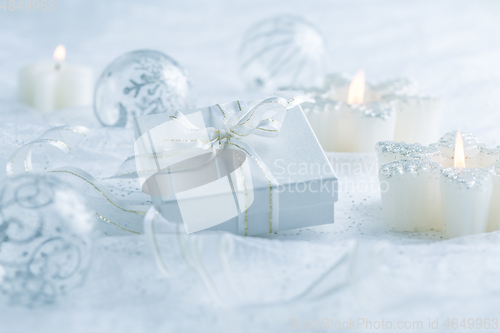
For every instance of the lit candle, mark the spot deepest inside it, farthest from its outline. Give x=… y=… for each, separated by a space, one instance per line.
x=352 y=115
x=452 y=186
x=348 y=122
x=51 y=86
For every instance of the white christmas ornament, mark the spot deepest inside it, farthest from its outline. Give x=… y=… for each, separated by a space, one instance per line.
x=140 y=83
x=45 y=240
x=281 y=52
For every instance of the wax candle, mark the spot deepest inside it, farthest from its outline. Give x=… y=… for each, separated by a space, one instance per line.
x=353 y=115
x=452 y=185
x=351 y=119
x=51 y=86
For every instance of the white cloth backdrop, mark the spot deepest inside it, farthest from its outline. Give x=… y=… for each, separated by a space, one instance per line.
x=450 y=47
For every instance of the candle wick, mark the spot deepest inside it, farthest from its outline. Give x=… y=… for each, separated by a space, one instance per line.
x=58 y=66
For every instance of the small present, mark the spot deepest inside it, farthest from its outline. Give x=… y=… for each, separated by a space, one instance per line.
x=245 y=167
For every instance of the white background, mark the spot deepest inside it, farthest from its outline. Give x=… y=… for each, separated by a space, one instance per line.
x=452 y=48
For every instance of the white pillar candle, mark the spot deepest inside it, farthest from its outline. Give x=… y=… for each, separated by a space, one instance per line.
x=417 y=118
x=410 y=195
x=51 y=86
x=44 y=83
x=466 y=196
x=351 y=118
x=494 y=217
x=463 y=189
x=358 y=127
x=351 y=128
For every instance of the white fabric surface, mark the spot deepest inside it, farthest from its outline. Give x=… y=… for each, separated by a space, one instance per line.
x=449 y=47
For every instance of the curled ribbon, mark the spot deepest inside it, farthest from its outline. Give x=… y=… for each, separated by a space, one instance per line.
x=117 y=213
x=64 y=138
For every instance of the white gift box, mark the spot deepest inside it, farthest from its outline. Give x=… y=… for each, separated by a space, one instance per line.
x=267 y=184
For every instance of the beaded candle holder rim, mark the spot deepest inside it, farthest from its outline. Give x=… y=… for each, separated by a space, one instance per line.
x=398 y=86
x=394 y=91
x=412 y=165
x=375 y=109
x=417 y=157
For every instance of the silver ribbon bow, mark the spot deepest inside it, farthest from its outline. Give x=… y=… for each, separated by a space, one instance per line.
x=263 y=119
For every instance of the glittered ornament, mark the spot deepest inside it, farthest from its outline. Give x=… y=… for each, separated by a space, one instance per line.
x=45 y=240
x=140 y=83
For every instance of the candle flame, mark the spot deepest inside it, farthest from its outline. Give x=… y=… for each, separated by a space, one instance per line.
x=356 y=92
x=60 y=53
x=459 y=151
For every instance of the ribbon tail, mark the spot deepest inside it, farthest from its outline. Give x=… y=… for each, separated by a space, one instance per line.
x=121 y=215
x=62 y=138
x=128 y=168
x=191 y=249
x=274 y=217
x=149 y=231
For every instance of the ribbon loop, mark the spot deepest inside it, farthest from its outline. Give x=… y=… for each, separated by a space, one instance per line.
x=64 y=138
x=262 y=118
